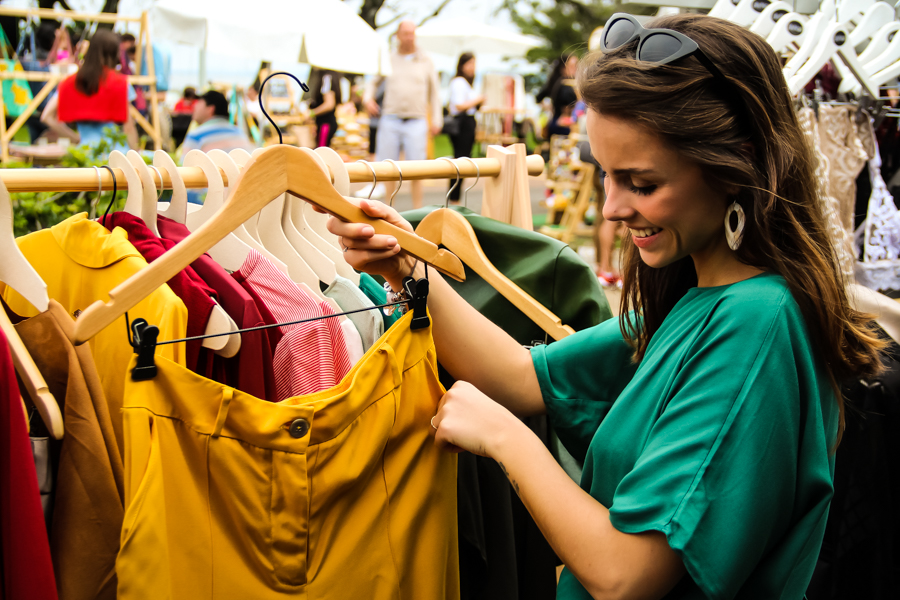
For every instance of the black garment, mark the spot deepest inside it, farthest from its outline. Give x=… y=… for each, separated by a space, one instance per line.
x=326 y=122
x=326 y=125
x=502 y=553
x=860 y=556
x=462 y=146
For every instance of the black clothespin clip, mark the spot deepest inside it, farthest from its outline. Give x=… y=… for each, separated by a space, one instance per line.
x=418 y=292
x=143 y=340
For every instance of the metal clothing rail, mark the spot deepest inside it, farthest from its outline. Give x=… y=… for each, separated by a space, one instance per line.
x=85 y=179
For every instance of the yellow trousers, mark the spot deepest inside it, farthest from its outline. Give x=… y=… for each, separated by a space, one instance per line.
x=339 y=494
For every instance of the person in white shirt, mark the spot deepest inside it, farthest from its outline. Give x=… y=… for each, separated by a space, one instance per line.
x=464 y=101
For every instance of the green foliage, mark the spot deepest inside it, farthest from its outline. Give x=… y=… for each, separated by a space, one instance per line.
x=36 y=210
x=565 y=25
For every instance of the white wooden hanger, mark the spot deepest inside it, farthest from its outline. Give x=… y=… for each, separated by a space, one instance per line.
x=279 y=169
x=252 y=224
x=887 y=74
x=883 y=60
x=790 y=29
x=17 y=273
x=233 y=173
x=230 y=252
x=723 y=8
x=770 y=15
x=15 y=270
x=745 y=13
x=816 y=25
x=148 y=191
x=886 y=58
x=851 y=10
x=834 y=40
x=881 y=39
x=872 y=19
x=177 y=207
x=135 y=198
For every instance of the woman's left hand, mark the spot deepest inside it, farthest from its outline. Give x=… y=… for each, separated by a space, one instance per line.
x=468 y=420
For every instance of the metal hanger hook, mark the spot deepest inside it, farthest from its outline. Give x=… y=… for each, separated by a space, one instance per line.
x=303 y=87
x=374 y=177
x=115 y=189
x=477 y=177
x=456 y=183
x=399 y=185
x=160 y=192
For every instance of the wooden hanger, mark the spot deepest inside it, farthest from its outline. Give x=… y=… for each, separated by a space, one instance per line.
x=230 y=252
x=321 y=265
x=148 y=191
x=275 y=171
x=135 y=198
x=15 y=270
x=451 y=230
x=239 y=157
x=177 y=209
x=17 y=273
x=765 y=22
x=32 y=379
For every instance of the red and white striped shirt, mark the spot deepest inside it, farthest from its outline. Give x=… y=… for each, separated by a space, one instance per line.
x=311 y=356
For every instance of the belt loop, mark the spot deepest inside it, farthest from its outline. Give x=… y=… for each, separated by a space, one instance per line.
x=395 y=368
x=227 y=395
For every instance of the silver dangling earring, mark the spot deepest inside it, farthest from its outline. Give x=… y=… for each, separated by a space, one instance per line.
x=734 y=225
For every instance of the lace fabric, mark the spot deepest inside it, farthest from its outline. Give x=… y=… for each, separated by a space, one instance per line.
x=880 y=267
x=829 y=205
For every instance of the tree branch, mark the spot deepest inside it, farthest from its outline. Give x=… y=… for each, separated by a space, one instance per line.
x=436 y=12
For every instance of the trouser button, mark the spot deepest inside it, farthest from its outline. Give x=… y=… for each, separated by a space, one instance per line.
x=299 y=428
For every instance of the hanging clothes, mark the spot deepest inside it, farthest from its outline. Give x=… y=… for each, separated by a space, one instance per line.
x=840 y=142
x=369 y=324
x=880 y=266
x=87 y=510
x=80 y=261
x=375 y=292
x=339 y=494
x=311 y=356
x=831 y=207
x=503 y=554
x=251 y=370
x=187 y=285
x=25 y=566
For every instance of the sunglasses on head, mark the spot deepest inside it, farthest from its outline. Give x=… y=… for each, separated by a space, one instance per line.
x=660 y=46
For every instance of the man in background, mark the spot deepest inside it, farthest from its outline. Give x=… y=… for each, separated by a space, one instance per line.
x=411 y=95
x=214 y=129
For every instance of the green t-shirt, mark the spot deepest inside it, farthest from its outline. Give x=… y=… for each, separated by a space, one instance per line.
x=719 y=438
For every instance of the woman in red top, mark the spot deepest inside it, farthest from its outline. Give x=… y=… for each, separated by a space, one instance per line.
x=94 y=98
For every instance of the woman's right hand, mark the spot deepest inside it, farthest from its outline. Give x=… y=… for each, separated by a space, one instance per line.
x=371 y=253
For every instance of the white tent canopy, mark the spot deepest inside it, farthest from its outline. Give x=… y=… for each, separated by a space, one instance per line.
x=323 y=33
x=453 y=36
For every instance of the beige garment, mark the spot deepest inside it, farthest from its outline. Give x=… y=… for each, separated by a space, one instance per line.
x=840 y=142
x=828 y=204
x=88 y=504
x=412 y=90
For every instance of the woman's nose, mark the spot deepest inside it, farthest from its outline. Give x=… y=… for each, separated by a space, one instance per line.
x=616 y=207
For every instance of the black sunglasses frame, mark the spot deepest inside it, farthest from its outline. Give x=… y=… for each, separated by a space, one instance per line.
x=688 y=46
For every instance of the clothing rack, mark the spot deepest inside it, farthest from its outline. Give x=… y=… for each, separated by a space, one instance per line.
x=506 y=169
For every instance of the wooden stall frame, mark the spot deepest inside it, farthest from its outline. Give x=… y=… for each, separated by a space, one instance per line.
x=152 y=127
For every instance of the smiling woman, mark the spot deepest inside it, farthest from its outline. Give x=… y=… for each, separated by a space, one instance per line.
x=707 y=416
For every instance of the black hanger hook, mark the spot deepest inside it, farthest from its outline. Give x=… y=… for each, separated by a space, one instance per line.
x=303 y=87
x=115 y=189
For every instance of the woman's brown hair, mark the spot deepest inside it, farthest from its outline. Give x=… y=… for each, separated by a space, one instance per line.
x=744 y=135
x=103 y=52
